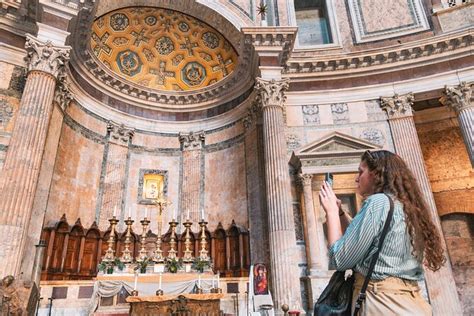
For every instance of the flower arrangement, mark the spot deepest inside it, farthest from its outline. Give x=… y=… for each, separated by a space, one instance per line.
x=142 y=265
x=173 y=265
x=200 y=264
x=108 y=267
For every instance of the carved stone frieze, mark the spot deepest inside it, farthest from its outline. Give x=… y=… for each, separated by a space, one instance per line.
x=340 y=113
x=119 y=134
x=292 y=141
x=45 y=57
x=310 y=114
x=192 y=140
x=458 y=98
x=373 y=135
x=398 y=105
x=424 y=50
x=271 y=92
x=251 y=116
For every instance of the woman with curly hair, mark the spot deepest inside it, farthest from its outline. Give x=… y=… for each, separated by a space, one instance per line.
x=412 y=239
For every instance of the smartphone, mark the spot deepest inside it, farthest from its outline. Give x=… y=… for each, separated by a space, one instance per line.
x=329 y=178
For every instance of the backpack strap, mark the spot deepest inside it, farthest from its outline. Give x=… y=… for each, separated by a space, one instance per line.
x=386 y=227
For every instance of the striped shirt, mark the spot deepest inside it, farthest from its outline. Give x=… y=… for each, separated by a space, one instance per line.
x=360 y=241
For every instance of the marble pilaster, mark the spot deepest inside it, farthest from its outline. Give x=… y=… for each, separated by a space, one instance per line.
x=23 y=159
x=441 y=287
x=460 y=100
x=281 y=226
x=315 y=242
x=191 y=146
x=119 y=138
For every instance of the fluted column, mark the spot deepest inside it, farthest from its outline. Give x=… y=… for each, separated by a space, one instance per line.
x=191 y=145
x=285 y=277
x=460 y=100
x=441 y=287
x=315 y=242
x=23 y=160
x=119 y=138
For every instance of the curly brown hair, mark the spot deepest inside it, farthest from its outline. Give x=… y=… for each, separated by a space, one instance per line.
x=392 y=176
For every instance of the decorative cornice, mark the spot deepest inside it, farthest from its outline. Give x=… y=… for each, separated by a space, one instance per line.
x=119 y=134
x=45 y=57
x=271 y=93
x=192 y=141
x=271 y=40
x=422 y=51
x=398 y=106
x=459 y=97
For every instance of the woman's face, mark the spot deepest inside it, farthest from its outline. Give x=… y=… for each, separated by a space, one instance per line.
x=365 y=180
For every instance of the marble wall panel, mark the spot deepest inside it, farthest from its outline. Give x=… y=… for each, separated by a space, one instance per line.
x=6 y=71
x=225 y=187
x=294 y=116
x=8 y=108
x=76 y=177
x=449 y=169
x=225 y=133
x=151 y=140
x=138 y=161
x=457 y=18
x=357 y=112
x=385 y=14
x=88 y=120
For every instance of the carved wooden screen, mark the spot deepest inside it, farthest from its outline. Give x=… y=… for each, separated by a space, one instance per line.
x=71 y=263
x=234 y=249
x=57 y=249
x=90 y=259
x=220 y=251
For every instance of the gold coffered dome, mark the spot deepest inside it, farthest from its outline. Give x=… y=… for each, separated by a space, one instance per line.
x=162 y=49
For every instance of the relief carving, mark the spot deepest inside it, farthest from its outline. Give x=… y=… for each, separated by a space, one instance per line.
x=373 y=135
x=310 y=114
x=192 y=141
x=292 y=141
x=45 y=57
x=458 y=98
x=62 y=95
x=398 y=106
x=340 y=113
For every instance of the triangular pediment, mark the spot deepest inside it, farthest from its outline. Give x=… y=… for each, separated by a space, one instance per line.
x=334 y=149
x=336 y=143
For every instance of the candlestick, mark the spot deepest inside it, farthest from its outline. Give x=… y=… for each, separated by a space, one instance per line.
x=109 y=254
x=174 y=213
x=115 y=210
x=199 y=280
x=187 y=217
x=202 y=214
x=159 y=284
x=203 y=252
x=142 y=254
x=127 y=254
x=136 y=281
x=188 y=257
x=172 y=252
x=130 y=212
x=218 y=280
x=146 y=212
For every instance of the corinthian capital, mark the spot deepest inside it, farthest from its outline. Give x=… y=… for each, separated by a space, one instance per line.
x=45 y=57
x=458 y=98
x=271 y=92
x=62 y=95
x=398 y=105
x=119 y=134
x=305 y=179
x=192 y=140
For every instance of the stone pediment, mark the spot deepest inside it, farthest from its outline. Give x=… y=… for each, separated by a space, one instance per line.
x=335 y=150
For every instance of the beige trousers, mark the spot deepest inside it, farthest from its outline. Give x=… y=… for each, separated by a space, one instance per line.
x=392 y=296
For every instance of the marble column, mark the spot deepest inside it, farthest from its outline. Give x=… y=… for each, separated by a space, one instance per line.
x=191 y=145
x=119 y=138
x=441 y=286
x=23 y=159
x=460 y=100
x=281 y=226
x=316 y=246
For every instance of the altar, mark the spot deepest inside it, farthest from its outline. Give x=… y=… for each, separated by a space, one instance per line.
x=179 y=305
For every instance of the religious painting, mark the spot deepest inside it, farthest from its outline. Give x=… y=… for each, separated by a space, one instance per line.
x=260 y=283
x=153 y=186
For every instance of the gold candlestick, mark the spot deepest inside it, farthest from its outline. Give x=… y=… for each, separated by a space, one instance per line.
x=127 y=254
x=188 y=254
x=142 y=254
x=203 y=252
x=172 y=252
x=158 y=253
x=109 y=254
